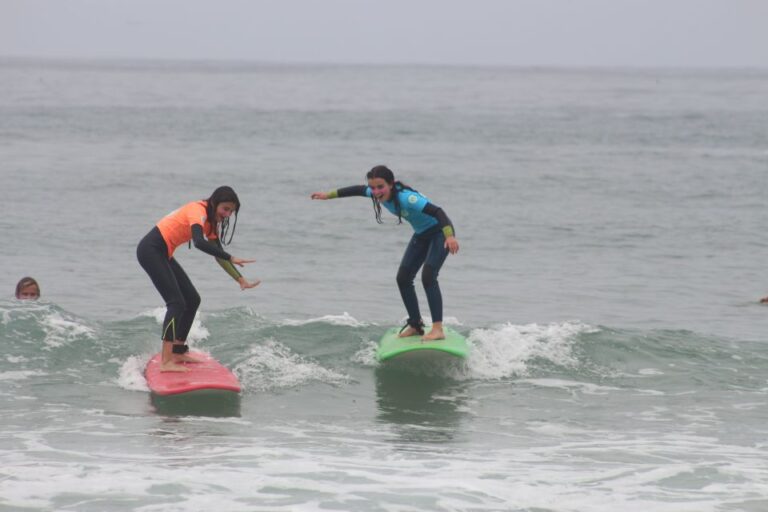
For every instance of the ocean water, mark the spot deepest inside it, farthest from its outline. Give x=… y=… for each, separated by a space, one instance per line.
x=613 y=248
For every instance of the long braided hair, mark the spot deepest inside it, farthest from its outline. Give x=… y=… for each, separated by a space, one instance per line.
x=383 y=172
x=222 y=195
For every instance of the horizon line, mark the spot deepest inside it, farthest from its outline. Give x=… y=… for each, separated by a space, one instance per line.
x=352 y=63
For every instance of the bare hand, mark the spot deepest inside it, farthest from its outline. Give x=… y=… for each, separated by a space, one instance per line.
x=452 y=245
x=239 y=261
x=245 y=284
x=319 y=195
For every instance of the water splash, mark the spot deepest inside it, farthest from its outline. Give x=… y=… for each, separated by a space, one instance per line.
x=131 y=376
x=344 y=319
x=508 y=350
x=272 y=365
x=61 y=328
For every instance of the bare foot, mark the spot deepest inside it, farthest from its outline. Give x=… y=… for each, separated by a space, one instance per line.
x=408 y=331
x=184 y=358
x=170 y=366
x=433 y=335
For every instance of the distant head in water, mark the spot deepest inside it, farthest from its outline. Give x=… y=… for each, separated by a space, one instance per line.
x=222 y=205
x=27 y=289
x=384 y=187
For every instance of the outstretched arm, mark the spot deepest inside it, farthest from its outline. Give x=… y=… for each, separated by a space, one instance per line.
x=224 y=259
x=229 y=268
x=354 y=190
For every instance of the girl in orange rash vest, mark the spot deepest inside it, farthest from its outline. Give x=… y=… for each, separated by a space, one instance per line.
x=206 y=224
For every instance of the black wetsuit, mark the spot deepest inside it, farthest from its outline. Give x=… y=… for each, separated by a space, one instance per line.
x=181 y=297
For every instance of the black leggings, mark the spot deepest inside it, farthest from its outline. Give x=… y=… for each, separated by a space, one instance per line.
x=427 y=249
x=181 y=298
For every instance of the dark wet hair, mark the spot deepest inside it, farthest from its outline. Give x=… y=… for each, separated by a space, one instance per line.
x=24 y=282
x=222 y=194
x=383 y=172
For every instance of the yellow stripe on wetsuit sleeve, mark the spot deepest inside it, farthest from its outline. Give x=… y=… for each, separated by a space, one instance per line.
x=229 y=268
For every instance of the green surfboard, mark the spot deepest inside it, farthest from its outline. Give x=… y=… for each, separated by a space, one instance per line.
x=453 y=346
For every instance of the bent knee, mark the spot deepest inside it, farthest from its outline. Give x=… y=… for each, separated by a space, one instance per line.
x=428 y=276
x=404 y=277
x=193 y=302
x=177 y=305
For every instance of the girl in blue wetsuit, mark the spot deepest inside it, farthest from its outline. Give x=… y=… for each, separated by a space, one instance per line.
x=432 y=241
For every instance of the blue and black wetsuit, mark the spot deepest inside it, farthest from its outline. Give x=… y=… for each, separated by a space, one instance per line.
x=427 y=247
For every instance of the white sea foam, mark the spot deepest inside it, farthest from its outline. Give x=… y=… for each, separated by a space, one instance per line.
x=60 y=329
x=272 y=365
x=584 y=387
x=12 y=310
x=366 y=354
x=344 y=319
x=311 y=466
x=131 y=376
x=507 y=350
x=15 y=375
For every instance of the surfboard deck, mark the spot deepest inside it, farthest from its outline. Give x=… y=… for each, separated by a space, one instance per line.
x=209 y=375
x=413 y=347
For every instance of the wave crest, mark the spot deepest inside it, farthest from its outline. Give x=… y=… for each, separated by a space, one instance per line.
x=508 y=350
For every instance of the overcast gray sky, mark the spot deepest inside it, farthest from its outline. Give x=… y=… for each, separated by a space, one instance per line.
x=687 y=33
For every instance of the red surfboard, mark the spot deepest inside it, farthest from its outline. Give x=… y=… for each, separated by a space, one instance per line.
x=206 y=375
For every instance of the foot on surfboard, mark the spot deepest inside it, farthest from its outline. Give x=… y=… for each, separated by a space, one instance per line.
x=392 y=346
x=410 y=329
x=172 y=367
x=434 y=335
x=185 y=358
x=208 y=375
